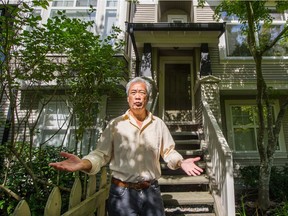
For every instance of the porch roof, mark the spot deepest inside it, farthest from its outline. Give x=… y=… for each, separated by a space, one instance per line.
x=174 y=34
x=219 y=27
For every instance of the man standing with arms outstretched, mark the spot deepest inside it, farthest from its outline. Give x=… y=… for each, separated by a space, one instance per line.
x=132 y=145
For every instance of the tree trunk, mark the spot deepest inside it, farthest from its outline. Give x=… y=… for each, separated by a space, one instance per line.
x=265 y=161
x=263 y=188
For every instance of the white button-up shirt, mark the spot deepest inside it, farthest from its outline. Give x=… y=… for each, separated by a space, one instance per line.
x=134 y=152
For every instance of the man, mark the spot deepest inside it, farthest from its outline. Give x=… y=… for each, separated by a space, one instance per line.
x=133 y=144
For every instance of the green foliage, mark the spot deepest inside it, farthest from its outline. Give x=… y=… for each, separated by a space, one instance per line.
x=281 y=210
x=66 y=56
x=241 y=211
x=278 y=181
x=20 y=182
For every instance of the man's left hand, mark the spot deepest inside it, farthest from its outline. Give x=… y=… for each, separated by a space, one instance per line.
x=190 y=168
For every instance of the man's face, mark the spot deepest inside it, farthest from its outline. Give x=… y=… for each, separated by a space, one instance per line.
x=137 y=96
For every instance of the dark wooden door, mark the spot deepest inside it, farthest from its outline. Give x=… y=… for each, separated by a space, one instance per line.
x=177 y=90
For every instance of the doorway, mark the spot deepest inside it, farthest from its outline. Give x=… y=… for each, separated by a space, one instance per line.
x=176 y=94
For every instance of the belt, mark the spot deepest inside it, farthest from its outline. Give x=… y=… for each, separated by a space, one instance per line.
x=137 y=186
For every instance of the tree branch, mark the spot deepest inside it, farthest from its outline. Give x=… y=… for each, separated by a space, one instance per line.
x=11 y=193
x=279 y=37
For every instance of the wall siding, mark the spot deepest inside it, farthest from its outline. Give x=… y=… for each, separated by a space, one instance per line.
x=240 y=73
x=204 y=14
x=116 y=106
x=145 y=13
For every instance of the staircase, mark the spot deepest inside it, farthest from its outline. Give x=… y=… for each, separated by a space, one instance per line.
x=182 y=194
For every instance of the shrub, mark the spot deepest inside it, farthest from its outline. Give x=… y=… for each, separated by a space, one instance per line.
x=35 y=193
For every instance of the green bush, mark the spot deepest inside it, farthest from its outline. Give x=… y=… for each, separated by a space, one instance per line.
x=35 y=193
x=278 y=181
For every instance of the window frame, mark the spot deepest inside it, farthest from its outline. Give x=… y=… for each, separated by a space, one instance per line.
x=230 y=131
x=181 y=18
x=223 y=46
x=69 y=129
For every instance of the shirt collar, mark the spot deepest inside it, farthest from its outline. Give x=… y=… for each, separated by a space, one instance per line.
x=126 y=115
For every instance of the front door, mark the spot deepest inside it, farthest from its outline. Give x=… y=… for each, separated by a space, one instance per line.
x=177 y=92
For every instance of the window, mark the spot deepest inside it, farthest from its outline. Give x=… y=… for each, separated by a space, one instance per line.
x=110 y=16
x=62 y=3
x=177 y=18
x=82 y=14
x=242 y=126
x=56 y=128
x=77 y=3
x=112 y=3
x=86 y=3
x=78 y=9
x=104 y=13
x=236 y=42
x=54 y=123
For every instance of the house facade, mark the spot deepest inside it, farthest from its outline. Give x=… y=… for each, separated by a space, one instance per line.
x=189 y=57
x=191 y=60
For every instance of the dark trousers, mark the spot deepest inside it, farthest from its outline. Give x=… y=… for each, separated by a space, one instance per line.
x=124 y=201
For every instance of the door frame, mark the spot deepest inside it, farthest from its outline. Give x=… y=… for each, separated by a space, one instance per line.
x=174 y=60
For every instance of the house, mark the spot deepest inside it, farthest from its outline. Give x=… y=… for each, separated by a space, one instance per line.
x=189 y=57
x=184 y=46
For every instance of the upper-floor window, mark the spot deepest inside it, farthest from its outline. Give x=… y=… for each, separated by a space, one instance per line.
x=73 y=3
x=73 y=10
x=236 y=41
x=110 y=16
x=177 y=18
x=104 y=13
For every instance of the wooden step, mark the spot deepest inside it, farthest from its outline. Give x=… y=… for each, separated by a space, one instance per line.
x=201 y=164
x=182 y=180
x=189 y=214
x=182 y=126
x=188 y=142
x=187 y=198
x=189 y=152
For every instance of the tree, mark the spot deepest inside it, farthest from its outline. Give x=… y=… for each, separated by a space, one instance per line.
x=255 y=18
x=37 y=62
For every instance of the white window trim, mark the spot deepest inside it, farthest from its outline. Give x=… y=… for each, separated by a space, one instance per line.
x=42 y=127
x=181 y=17
x=247 y=60
x=69 y=130
x=230 y=139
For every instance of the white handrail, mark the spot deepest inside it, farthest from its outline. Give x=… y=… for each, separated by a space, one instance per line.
x=220 y=166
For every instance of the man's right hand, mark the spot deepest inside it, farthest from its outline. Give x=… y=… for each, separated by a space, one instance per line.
x=72 y=163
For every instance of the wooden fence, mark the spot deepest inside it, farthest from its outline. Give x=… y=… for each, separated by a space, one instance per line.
x=93 y=204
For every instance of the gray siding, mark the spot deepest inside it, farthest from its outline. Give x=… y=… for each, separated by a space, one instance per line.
x=145 y=13
x=116 y=106
x=204 y=14
x=240 y=73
